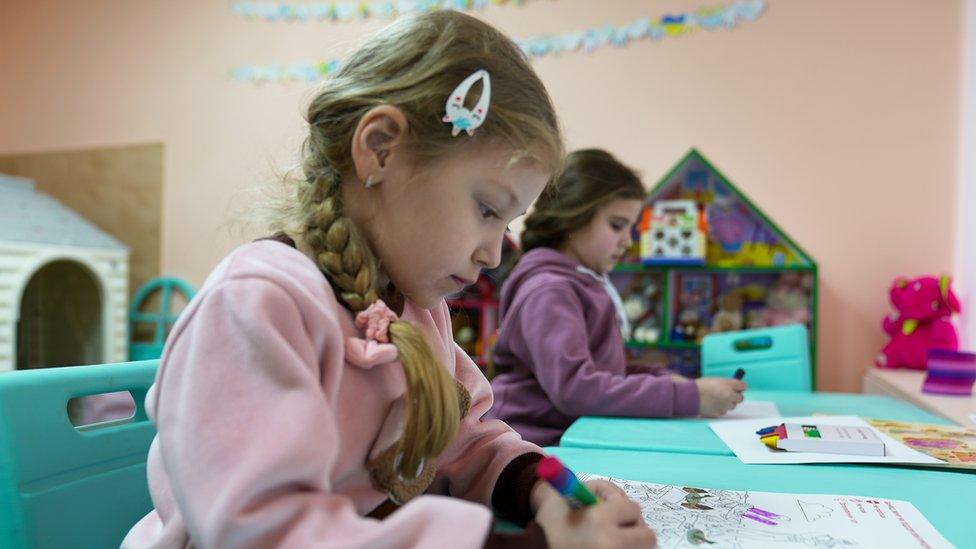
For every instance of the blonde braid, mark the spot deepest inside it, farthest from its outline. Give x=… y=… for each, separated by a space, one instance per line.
x=414 y=65
x=433 y=412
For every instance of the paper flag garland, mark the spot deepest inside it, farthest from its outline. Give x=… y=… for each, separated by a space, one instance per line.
x=347 y=11
x=645 y=28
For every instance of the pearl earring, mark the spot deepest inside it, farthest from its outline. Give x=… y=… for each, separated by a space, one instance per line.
x=370 y=182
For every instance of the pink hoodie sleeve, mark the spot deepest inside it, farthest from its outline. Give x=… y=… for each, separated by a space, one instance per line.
x=482 y=449
x=249 y=437
x=556 y=337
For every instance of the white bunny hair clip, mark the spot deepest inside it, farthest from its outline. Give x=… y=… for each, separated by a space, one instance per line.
x=468 y=119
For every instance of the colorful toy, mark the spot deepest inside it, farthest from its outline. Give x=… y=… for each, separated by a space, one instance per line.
x=691 y=322
x=642 y=308
x=643 y=320
x=690 y=326
x=678 y=233
x=728 y=318
x=924 y=306
x=729 y=225
x=788 y=302
x=752 y=254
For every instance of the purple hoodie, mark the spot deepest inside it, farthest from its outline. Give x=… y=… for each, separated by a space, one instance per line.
x=560 y=355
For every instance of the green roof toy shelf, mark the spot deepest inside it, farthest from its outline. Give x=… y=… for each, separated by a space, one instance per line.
x=706 y=260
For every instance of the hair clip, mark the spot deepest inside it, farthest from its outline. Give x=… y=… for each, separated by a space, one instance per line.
x=458 y=115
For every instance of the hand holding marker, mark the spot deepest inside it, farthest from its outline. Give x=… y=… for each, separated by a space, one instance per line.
x=565 y=482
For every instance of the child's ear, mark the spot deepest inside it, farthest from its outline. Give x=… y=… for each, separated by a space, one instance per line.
x=377 y=137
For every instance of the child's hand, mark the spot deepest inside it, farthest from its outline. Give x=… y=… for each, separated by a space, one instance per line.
x=614 y=522
x=718 y=395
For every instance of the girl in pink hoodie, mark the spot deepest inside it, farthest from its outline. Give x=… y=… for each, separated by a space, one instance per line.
x=560 y=351
x=311 y=394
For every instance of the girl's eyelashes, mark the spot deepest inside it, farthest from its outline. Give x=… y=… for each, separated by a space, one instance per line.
x=487 y=212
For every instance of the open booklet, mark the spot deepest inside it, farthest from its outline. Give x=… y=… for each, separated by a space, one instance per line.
x=954 y=446
x=684 y=516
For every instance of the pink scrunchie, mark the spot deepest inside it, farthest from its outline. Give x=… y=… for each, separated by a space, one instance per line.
x=375 y=320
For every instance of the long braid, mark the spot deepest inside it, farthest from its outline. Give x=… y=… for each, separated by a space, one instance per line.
x=341 y=254
x=414 y=64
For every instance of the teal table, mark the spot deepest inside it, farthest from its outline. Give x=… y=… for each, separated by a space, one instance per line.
x=946 y=498
x=693 y=436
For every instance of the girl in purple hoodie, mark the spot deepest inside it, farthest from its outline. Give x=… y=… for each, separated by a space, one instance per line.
x=560 y=352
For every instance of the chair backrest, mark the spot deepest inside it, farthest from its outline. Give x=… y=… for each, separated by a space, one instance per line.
x=775 y=358
x=63 y=486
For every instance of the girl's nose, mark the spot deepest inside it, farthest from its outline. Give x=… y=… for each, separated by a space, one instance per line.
x=488 y=256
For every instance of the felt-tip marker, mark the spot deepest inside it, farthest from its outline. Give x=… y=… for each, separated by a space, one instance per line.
x=565 y=482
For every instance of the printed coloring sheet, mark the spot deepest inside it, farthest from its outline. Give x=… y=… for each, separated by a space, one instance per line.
x=688 y=517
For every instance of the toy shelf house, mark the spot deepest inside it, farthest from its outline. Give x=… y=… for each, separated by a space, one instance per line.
x=708 y=260
x=63 y=284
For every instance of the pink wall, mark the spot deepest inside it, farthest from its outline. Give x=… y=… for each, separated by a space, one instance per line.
x=840 y=119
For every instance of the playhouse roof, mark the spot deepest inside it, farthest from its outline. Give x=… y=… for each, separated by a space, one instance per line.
x=30 y=216
x=739 y=233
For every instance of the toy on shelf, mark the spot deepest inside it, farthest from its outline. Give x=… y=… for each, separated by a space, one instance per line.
x=924 y=306
x=717 y=264
x=694 y=297
x=643 y=308
x=728 y=318
x=788 y=301
x=676 y=235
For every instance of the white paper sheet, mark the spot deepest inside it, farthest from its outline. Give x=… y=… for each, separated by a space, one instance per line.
x=749 y=409
x=741 y=438
x=688 y=516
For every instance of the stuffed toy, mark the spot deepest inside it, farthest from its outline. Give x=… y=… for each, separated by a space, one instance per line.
x=640 y=307
x=728 y=318
x=924 y=307
x=788 y=301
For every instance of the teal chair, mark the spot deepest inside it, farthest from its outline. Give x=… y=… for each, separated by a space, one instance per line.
x=776 y=359
x=66 y=486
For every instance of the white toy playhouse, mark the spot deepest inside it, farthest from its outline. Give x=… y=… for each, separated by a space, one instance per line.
x=63 y=284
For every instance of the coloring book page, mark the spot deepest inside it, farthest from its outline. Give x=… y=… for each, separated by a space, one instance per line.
x=685 y=516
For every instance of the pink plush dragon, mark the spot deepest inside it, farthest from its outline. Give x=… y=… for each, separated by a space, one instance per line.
x=924 y=307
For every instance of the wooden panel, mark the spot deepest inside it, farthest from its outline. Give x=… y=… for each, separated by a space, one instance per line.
x=119 y=189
